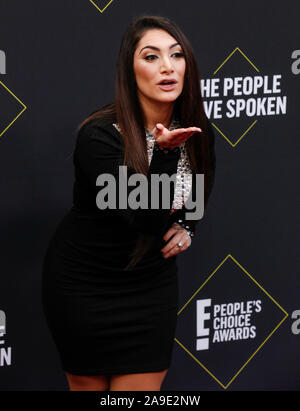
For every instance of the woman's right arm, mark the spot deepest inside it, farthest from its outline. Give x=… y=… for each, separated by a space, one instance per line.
x=99 y=151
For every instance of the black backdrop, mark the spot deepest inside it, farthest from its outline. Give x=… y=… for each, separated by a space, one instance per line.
x=57 y=64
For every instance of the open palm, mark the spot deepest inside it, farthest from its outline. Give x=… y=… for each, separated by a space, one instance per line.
x=172 y=138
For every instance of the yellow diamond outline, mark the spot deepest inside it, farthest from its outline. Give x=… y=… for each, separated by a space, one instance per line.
x=230 y=55
x=24 y=108
x=250 y=358
x=239 y=139
x=222 y=64
x=98 y=8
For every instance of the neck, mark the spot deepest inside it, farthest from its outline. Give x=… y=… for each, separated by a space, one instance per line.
x=157 y=112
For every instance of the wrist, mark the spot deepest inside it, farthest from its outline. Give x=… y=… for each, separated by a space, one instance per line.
x=186 y=227
x=166 y=150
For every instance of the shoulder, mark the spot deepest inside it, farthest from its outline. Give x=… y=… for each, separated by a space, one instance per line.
x=99 y=130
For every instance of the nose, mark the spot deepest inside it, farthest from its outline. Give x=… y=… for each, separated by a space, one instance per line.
x=166 y=64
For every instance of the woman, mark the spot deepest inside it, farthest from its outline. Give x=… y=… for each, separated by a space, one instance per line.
x=110 y=291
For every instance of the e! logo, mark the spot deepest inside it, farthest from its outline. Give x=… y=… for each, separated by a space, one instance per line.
x=202 y=343
x=2 y=62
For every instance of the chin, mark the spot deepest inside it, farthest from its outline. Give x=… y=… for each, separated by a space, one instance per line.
x=168 y=97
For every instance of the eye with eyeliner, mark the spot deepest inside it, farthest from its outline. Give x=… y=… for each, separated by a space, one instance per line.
x=153 y=55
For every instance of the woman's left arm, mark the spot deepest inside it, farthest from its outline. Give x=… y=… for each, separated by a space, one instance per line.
x=182 y=230
x=179 y=215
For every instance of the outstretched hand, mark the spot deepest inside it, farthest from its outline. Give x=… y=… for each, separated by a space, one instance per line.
x=172 y=138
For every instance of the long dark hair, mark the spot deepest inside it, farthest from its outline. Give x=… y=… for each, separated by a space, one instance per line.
x=126 y=108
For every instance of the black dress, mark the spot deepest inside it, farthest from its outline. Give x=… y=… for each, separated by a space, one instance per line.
x=105 y=320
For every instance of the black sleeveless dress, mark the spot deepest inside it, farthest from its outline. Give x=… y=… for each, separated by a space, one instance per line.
x=103 y=319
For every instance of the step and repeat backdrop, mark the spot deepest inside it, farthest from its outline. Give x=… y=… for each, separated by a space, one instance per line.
x=239 y=318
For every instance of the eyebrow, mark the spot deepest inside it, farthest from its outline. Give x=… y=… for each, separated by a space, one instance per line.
x=157 y=49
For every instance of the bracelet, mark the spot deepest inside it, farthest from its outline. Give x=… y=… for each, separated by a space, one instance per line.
x=166 y=150
x=186 y=227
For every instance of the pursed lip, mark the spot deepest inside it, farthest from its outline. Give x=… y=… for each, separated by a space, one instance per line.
x=168 y=79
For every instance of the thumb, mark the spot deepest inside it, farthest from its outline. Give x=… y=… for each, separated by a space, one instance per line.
x=159 y=127
x=158 y=130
